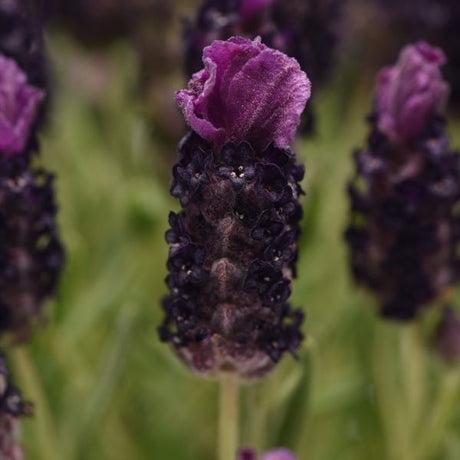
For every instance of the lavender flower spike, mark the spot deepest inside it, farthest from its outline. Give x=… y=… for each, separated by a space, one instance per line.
x=233 y=246
x=276 y=454
x=246 y=91
x=19 y=103
x=410 y=91
x=404 y=230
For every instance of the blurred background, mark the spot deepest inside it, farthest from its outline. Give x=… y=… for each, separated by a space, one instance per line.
x=103 y=385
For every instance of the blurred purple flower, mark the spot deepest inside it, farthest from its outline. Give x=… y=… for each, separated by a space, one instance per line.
x=275 y=454
x=404 y=230
x=246 y=91
x=19 y=103
x=408 y=92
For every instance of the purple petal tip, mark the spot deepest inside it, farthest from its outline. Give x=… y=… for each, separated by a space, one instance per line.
x=19 y=103
x=410 y=91
x=246 y=92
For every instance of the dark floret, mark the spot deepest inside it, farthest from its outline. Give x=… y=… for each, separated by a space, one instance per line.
x=402 y=232
x=232 y=257
x=31 y=255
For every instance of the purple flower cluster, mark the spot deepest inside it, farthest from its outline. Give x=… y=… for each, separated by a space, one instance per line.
x=403 y=231
x=233 y=246
x=306 y=30
x=11 y=407
x=31 y=255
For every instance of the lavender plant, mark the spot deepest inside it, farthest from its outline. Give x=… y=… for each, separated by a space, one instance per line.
x=233 y=245
x=403 y=229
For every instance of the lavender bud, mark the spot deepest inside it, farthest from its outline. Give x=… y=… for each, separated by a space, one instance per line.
x=275 y=454
x=305 y=30
x=403 y=232
x=447 y=336
x=233 y=246
x=11 y=407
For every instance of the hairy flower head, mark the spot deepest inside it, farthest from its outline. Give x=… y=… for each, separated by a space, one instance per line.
x=246 y=91
x=233 y=246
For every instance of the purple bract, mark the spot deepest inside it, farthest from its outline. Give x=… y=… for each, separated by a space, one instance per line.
x=246 y=91
x=410 y=91
x=19 y=103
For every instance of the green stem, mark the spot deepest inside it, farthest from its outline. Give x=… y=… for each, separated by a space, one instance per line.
x=228 y=417
x=257 y=416
x=414 y=378
x=441 y=414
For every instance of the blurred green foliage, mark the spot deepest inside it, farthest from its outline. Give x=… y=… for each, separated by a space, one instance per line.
x=105 y=387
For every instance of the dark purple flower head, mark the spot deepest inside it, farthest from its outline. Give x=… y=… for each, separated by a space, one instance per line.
x=19 y=104
x=248 y=92
x=233 y=246
x=275 y=454
x=447 y=336
x=411 y=91
x=403 y=232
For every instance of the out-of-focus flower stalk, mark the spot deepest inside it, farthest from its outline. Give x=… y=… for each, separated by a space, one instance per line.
x=228 y=417
x=403 y=230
